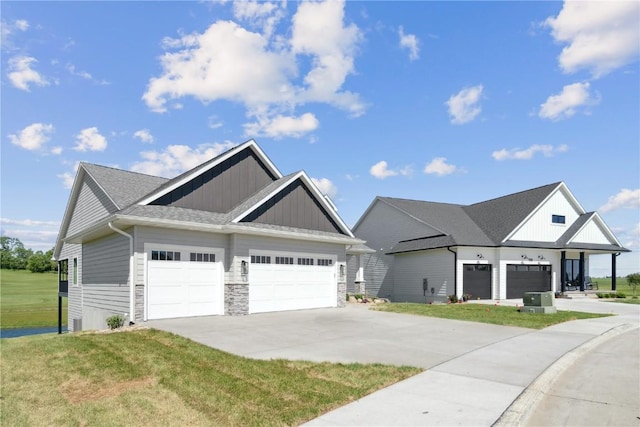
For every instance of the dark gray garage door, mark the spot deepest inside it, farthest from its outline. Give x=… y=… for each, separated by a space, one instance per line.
x=476 y=280
x=527 y=278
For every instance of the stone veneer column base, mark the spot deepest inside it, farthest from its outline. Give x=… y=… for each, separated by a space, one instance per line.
x=139 y=317
x=342 y=294
x=360 y=288
x=236 y=299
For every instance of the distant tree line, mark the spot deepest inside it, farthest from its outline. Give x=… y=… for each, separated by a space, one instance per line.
x=14 y=256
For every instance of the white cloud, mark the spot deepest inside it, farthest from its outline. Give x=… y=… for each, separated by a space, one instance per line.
x=33 y=137
x=22 y=75
x=261 y=71
x=564 y=105
x=89 y=139
x=6 y=31
x=143 y=135
x=28 y=222
x=325 y=186
x=624 y=199
x=214 y=122
x=68 y=177
x=528 y=153
x=264 y=15
x=381 y=170
x=176 y=159
x=464 y=106
x=83 y=74
x=22 y=24
x=440 y=167
x=411 y=43
x=280 y=126
x=600 y=36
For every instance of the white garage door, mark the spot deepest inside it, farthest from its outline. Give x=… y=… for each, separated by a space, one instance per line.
x=298 y=284
x=179 y=288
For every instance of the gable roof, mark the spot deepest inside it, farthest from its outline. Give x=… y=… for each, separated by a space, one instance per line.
x=131 y=194
x=490 y=223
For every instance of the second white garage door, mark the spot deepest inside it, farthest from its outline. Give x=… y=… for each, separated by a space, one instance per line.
x=178 y=288
x=279 y=283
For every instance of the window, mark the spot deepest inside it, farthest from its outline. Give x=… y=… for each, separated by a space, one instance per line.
x=63 y=270
x=260 y=259
x=284 y=260
x=75 y=271
x=202 y=257
x=572 y=271
x=325 y=262
x=165 y=256
x=558 y=219
x=305 y=261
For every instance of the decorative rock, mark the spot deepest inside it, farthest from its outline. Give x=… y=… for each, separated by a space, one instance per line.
x=352 y=299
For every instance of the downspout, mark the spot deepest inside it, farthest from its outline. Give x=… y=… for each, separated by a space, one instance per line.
x=132 y=288
x=455 y=269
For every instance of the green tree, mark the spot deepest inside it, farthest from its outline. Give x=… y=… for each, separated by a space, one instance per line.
x=38 y=263
x=634 y=280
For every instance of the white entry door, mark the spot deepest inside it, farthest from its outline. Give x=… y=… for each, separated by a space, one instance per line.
x=278 y=286
x=184 y=288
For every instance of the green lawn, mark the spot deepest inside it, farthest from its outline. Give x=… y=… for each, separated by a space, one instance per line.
x=604 y=284
x=29 y=300
x=150 y=377
x=485 y=313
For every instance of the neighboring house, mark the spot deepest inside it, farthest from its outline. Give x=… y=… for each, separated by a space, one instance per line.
x=535 y=240
x=231 y=236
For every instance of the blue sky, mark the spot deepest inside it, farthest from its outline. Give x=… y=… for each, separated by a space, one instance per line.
x=453 y=102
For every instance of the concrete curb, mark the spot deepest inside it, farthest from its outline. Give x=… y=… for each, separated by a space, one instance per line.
x=520 y=410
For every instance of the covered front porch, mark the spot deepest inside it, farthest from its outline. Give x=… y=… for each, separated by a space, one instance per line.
x=574 y=270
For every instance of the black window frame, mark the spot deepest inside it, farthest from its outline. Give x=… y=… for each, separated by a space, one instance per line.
x=558 y=219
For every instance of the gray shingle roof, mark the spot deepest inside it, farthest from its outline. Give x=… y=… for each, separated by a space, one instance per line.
x=486 y=223
x=499 y=217
x=124 y=187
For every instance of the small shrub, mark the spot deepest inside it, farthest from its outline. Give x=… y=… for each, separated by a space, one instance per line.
x=116 y=321
x=453 y=298
x=466 y=297
x=620 y=295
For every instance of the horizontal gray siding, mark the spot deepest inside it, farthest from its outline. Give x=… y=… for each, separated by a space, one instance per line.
x=437 y=266
x=92 y=205
x=70 y=251
x=106 y=260
x=114 y=298
x=352 y=261
x=381 y=228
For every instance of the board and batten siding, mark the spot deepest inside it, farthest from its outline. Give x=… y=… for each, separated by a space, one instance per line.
x=539 y=227
x=223 y=187
x=294 y=206
x=409 y=270
x=592 y=233
x=91 y=206
x=70 y=251
x=381 y=228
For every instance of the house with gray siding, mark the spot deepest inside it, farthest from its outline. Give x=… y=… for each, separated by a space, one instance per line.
x=535 y=240
x=232 y=236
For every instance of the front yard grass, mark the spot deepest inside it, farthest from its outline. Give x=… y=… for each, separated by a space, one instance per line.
x=485 y=313
x=150 y=377
x=29 y=300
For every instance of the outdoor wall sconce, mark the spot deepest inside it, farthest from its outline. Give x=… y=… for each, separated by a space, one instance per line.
x=342 y=272
x=524 y=256
x=244 y=268
x=540 y=257
x=480 y=256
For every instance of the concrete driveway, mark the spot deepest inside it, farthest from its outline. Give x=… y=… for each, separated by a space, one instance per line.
x=351 y=334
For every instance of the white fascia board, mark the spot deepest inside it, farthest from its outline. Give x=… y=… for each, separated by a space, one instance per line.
x=603 y=226
x=319 y=197
x=73 y=198
x=281 y=234
x=251 y=144
x=567 y=193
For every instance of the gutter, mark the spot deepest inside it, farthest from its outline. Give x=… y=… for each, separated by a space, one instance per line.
x=132 y=288
x=455 y=268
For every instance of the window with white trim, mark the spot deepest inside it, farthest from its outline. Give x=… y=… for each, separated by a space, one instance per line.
x=325 y=262
x=305 y=261
x=558 y=219
x=75 y=271
x=284 y=260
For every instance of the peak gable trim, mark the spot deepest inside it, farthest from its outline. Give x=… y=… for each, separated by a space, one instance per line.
x=561 y=187
x=203 y=168
x=581 y=235
x=319 y=197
